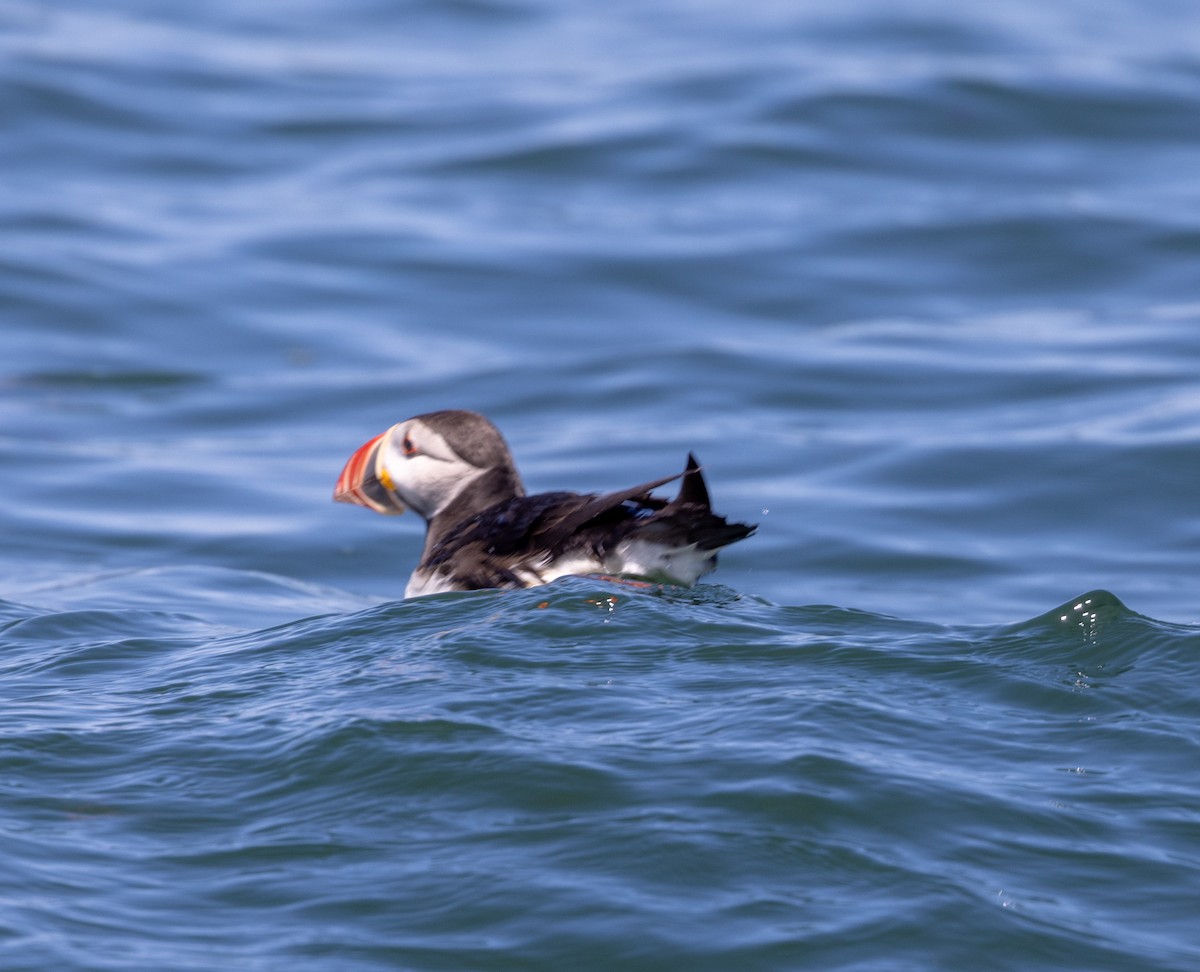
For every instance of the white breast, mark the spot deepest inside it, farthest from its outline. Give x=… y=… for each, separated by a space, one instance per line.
x=644 y=558
x=429 y=582
x=573 y=567
x=640 y=558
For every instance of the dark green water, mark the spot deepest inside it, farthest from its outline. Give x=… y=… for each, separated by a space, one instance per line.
x=918 y=286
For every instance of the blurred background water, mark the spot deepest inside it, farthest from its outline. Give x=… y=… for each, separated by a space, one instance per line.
x=920 y=286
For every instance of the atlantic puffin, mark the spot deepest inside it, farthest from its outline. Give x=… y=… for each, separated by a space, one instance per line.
x=454 y=469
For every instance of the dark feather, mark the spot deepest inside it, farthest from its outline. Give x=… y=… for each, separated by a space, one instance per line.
x=484 y=550
x=693 y=491
x=587 y=507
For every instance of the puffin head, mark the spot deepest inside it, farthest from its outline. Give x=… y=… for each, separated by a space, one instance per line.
x=426 y=462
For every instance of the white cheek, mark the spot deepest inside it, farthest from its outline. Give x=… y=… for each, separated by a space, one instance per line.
x=391 y=453
x=426 y=485
x=447 y=481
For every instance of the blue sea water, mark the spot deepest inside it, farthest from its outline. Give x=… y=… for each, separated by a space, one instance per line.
x=921 y=288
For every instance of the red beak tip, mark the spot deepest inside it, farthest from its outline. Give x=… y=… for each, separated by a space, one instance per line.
x=358 y=483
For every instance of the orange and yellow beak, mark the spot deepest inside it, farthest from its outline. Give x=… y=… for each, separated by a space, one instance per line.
x=365 y=480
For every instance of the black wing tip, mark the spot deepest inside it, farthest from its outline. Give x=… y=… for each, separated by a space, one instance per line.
x=693 y=491
x=722 y=534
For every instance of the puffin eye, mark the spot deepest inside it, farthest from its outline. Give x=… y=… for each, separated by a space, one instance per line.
x=408 y=447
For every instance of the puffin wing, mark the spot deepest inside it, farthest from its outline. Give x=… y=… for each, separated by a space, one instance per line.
x=560 y=524
x=502 y=545
x=501 y=529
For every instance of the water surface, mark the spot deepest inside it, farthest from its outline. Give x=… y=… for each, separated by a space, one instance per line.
x=918 y=286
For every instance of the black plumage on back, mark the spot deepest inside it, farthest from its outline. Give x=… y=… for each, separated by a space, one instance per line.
x=489 y=546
